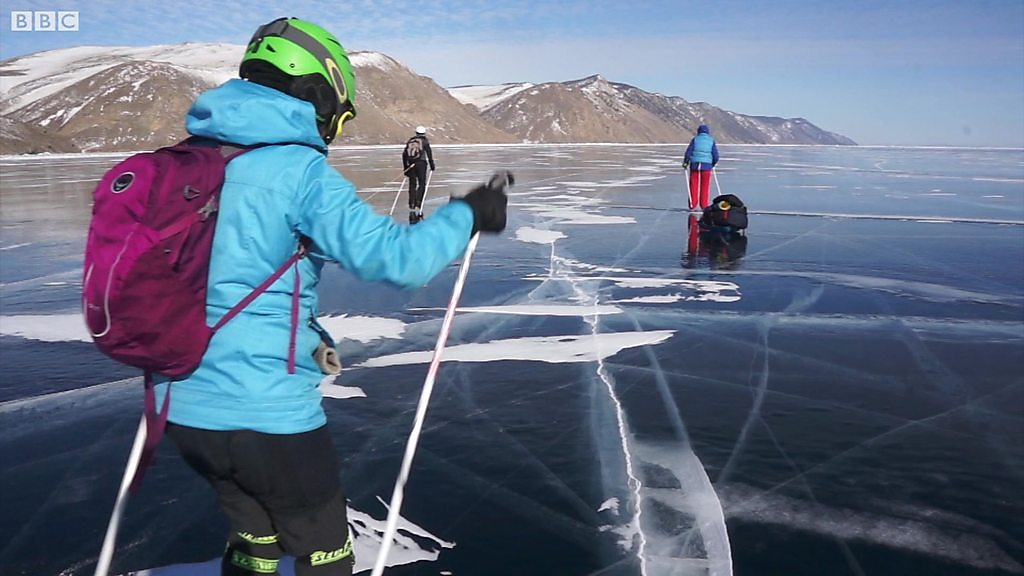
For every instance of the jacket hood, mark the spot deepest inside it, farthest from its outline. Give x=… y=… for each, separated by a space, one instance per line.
x=703 y=129
x=247 y=113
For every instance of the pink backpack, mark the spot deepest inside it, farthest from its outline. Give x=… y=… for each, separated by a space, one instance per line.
x=147 y=258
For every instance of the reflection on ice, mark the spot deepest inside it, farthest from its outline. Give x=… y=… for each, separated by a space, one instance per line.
x=673 y=529
x=565 y=216
x=930 y=532
x=901 y=217
x=848 y=379
x=685 y=523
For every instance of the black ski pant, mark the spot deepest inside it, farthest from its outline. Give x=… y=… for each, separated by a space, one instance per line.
x=417 y=184
x=282 y=495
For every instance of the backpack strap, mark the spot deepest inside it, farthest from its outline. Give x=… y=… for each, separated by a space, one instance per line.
x=156 y=423
x=299 y=254
x=227 y=150
x=231 y=151
x=296 y=287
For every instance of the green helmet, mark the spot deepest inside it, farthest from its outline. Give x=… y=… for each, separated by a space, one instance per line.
x=317 y=64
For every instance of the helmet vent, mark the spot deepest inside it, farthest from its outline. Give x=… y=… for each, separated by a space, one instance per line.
x=270 y=48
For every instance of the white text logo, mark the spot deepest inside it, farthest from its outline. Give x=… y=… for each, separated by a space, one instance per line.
x=44 y=21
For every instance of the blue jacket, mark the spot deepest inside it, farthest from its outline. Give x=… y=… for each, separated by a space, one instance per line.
x=270 y=196
x=702 y=153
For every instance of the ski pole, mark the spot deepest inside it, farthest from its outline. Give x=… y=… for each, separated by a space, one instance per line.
x=501 y=179
x=686 y=177
x=397 y=195
x=107 y=552
x=717 y=185
x=404 y=177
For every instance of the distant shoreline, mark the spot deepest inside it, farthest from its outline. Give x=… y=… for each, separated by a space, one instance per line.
x=561 y=145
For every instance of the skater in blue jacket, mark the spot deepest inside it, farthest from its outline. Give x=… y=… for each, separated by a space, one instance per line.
x=249 y=419
x=701 y=157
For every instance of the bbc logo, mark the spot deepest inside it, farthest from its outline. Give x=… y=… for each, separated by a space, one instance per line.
x=44 y=21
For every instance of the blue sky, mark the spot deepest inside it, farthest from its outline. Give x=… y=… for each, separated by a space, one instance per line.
x=881 y=72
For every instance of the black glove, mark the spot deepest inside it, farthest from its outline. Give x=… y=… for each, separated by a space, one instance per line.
x=489 y=204
x=431 y=167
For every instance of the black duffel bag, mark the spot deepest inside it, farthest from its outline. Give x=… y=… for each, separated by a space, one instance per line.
x=725 y=211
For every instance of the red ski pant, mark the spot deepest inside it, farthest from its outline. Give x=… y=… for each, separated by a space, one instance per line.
x=700 y=188
x=693 y=237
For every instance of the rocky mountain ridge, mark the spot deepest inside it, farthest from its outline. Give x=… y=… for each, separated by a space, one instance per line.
x=117 y=99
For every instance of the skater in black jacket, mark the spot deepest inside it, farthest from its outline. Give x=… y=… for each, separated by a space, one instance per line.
x=415 y=159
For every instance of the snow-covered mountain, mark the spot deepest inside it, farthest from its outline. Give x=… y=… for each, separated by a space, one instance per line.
x=102 y=98
x=593 y=109
x=133 y=98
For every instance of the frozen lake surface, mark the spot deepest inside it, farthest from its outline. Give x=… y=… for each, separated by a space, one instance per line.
x=839 y=392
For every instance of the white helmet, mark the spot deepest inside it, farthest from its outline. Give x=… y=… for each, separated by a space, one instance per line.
x=421 y=130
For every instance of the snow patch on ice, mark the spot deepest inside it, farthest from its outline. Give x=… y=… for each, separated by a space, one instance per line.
x=703 y=290
x=329 y=389
x=541 y=310
x=362 y=329
x=71 y=327
x=537 y=236
x=661 y=299
x=551 y=349
x=46 y=328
